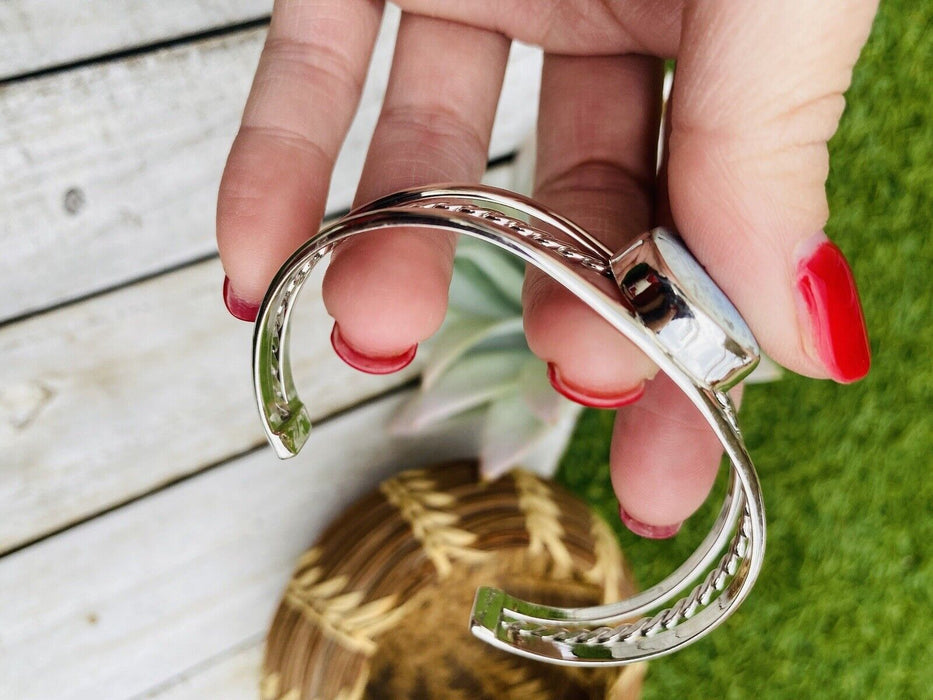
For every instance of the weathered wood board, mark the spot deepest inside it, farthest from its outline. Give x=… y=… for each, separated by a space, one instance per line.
x=40 y=34
x=234 y=675
x=105 y=400
x=110 y=172
x=127 y=602
x=145 y=529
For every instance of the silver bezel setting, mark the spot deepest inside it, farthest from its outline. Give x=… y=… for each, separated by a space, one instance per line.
x=692 y=318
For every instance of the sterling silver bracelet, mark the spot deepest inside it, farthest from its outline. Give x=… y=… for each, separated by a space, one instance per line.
x=668 y=306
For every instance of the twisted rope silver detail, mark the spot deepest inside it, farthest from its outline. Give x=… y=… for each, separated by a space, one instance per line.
x=530 y=234
x=700 y=596
x=278 y=328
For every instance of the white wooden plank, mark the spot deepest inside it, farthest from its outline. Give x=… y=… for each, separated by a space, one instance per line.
x=104 y=400
x=107 y=399
x=233 y=676
x=120 y=605
x=39 y=34
x=110 y=172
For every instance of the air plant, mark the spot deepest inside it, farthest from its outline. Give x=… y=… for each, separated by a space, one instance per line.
x=479 y=366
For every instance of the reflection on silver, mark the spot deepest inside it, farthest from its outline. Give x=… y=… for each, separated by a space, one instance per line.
x=669 y=307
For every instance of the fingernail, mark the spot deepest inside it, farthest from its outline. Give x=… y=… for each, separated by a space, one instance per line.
x=238 y=308
x=837 y=323
x=654 y=532
x=367 y=363
x=589 y=399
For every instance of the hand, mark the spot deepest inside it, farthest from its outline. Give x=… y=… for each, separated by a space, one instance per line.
x=758 y=93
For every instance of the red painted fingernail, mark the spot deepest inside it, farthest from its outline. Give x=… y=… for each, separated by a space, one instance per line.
x=591 y=400
x=827 y=287
x=367 y=363
x=653 y=532
x=238 y=308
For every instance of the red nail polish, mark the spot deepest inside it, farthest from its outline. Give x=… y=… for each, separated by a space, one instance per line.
x=653 y=532
x=826 y=284
x=367 y=363
x=591 y=400
x=238 y=308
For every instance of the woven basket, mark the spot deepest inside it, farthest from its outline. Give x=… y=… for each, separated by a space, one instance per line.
x=379 y=607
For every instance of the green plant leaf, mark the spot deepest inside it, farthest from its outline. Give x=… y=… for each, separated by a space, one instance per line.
x=470 y=383
x=544 y=456
x=461 y=333
x=537 y=392
x=510 y=432
x=503 y=271
x=472 y=291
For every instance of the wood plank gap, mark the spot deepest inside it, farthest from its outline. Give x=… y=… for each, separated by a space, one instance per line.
x=503 y=160
x=261 y=21
x=117 y=165
x=104 y=291
x=500 y=161
x=169 y=483
x=115 y=607
x=143 y=386
x=202 y=666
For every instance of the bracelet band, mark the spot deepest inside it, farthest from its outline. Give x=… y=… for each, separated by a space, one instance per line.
x=667 y=307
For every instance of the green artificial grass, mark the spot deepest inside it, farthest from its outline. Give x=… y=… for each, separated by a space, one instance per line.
x=844 y=605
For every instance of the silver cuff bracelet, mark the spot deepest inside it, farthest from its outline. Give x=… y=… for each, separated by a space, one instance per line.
x=667 y=306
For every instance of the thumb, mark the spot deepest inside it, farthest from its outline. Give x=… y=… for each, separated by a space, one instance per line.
x=757 y=95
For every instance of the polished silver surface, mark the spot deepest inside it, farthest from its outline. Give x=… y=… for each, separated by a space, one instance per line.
x=675 y=298
x=669 y=307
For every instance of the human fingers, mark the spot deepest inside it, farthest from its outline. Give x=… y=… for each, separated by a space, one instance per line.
x=571 y=27
x=757 y=94
x=664 y=459
x=305 y=92
x=387 y=292
x=597 y=136
x=664 y=456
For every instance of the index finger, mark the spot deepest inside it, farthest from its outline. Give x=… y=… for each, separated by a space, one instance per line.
x=305 y=93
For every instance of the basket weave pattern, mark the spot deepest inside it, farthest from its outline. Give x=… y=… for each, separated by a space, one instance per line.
x=378 y=608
